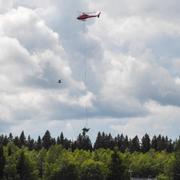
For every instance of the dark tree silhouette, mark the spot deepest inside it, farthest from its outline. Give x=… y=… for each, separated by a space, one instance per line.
x=10 y=138
x=22 y=139
x=134 y=144
x=146 y=143
x=47 y=140
x=154 y=143
x=83 y=142
x=30 y=143
x=38 y=145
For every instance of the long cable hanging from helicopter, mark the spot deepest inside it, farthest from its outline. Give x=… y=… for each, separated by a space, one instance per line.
x=83 y=17
x=85 y=76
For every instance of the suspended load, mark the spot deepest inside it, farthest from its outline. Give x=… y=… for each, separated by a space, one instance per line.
x=85 y=130
x=59 y=81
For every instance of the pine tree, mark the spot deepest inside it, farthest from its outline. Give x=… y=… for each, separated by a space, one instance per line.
x=83 y=142
x=39 y=143
x=146 y=143
x=121 y=142
x=170 y=147
x=10 y=138
x=98 y=142
x=161 y=143
x=60 y=139
x=126 y=142
x=134 y=144
x=2 y=162
x=110 y=141
x=164 y=143
x=154 y=143
x=30 y=143
x=47 y=140
x=22 y=139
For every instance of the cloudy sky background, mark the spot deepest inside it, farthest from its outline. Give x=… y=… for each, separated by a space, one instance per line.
x=131 y=56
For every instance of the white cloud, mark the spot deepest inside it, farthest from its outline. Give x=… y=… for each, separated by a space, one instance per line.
x=161 y=120
x=32 y=61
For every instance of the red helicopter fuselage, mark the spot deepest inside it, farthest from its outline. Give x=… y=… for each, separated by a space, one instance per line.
x=85 y=16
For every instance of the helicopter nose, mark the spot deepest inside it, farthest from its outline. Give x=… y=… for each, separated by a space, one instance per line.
x=79 y=17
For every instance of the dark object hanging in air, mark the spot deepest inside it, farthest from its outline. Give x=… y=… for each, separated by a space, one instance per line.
x=59 y=81
x=85 y=130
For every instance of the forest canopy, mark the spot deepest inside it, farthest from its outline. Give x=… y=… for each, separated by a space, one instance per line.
x=109 y=158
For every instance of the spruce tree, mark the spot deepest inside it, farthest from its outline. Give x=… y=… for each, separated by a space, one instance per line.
x=170 y=147
x=10 y=138
x=126 y=142
x=154 y=143
x=121 y=142
x=161 y=143
x=98 y=142
x=83 y=142
x=39 y=143
x=110 y=141
x=22 y=139
x=134 y=144
x=47 y=140
x=146 y=143
x=60 y=139
x=30 y=143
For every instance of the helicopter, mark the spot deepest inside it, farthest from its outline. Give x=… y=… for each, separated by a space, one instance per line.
x=83 y=16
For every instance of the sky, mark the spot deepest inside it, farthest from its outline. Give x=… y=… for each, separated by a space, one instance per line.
x=123 y=68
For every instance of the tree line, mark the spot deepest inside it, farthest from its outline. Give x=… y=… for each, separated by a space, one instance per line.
x=103 y=140
x=118 y=158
